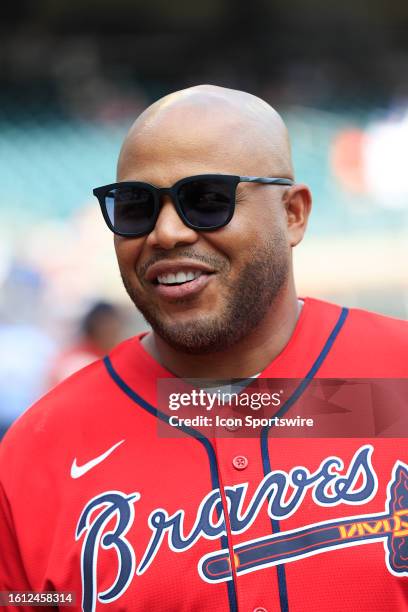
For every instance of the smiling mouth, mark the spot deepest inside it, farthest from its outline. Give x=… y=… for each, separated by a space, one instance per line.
x=181 y=284
x=178 y=278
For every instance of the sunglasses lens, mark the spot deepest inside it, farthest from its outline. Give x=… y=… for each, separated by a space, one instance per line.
x=206 y=203
x=131 y=209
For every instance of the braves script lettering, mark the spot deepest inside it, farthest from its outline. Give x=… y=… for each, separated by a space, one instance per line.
x=107 y=518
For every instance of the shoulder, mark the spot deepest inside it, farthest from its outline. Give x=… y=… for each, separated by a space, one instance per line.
x=55 y=414
x=378 y=328
x=368 y=344
x=362 y=321
x=77 y=407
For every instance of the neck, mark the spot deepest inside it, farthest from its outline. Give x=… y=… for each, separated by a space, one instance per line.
x=245 y=358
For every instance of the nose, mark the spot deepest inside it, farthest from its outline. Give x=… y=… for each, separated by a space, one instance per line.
x=170 y=231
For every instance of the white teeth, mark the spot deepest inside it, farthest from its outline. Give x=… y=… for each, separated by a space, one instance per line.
x=179 y=277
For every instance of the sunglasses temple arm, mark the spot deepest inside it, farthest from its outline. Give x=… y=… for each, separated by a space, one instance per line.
x=266 y=181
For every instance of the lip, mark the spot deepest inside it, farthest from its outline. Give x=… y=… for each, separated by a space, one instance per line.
x=174 y=266
x=189 y=289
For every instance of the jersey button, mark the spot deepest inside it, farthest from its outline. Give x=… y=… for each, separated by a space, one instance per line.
x=260 y=610
x=240 y=462
x=232 y=427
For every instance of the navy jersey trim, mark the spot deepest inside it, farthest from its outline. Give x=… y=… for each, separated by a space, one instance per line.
x=266 y=463
x=212 y=458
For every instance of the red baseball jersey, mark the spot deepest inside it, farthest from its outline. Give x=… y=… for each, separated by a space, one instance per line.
x=93 y=501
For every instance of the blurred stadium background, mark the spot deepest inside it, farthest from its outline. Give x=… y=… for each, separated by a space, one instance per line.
x=73 y=77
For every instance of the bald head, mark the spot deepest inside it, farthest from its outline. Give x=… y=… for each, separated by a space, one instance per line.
x=206 y=125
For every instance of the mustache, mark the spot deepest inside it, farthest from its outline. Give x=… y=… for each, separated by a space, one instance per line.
x=217 y=263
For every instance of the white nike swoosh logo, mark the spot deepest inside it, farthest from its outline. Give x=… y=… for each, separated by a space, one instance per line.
x=79 y=470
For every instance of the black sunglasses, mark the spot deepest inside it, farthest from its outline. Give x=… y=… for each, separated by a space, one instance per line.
x=204 y=202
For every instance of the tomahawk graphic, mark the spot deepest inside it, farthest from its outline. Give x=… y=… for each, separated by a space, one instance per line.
x=391 y=527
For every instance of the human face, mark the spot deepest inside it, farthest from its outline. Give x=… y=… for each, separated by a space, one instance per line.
x=240 y=268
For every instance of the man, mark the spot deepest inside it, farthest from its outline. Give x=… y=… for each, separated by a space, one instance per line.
x=100 y=329
x=93 y=501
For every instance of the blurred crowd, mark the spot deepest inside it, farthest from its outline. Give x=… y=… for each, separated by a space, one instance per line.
x=32 y=361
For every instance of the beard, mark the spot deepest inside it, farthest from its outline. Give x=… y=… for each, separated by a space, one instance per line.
x=248 y=300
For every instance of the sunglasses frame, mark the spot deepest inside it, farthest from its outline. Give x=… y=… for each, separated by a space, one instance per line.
x=158 y=192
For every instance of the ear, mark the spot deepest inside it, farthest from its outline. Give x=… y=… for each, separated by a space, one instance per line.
x=298 y=203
